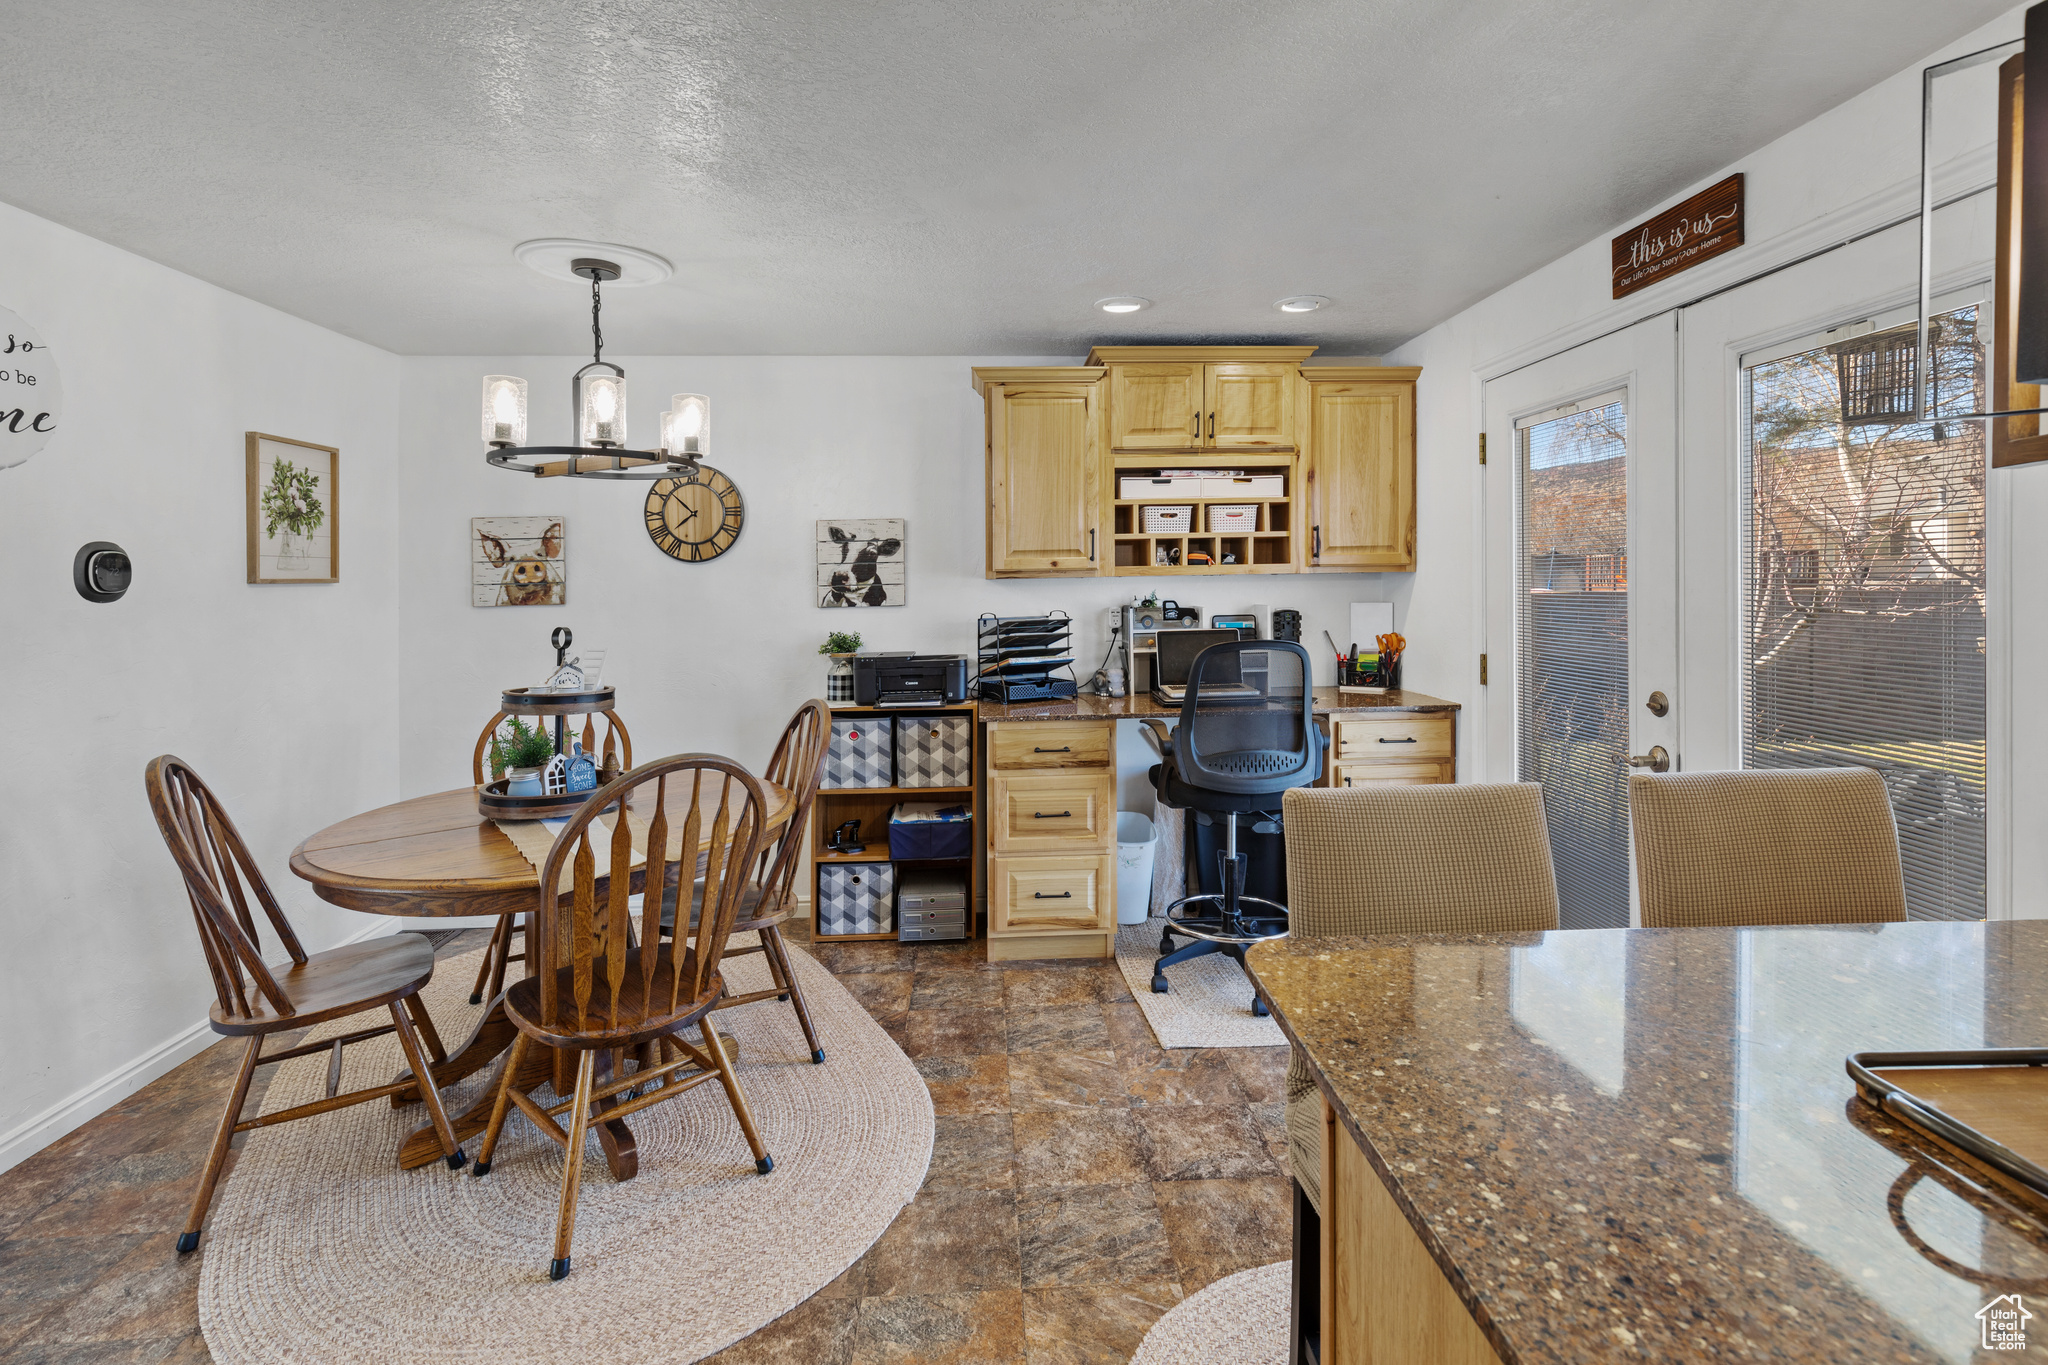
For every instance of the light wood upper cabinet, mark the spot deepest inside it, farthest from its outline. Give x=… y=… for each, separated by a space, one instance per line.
x=1156 y=407
x=1360 y=468
x=1044 y=449
x=1249 y=407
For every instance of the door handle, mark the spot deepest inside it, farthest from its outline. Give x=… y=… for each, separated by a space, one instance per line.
x=1658 y=760
x=1091 y=545
x=1212 y=426
x=1198 y=424
x=1385 y=740
x=1063 y=749
x=1317 y=552
x=1063 y=815
x=1050 y=896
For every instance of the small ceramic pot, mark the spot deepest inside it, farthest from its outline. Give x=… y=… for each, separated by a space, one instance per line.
x=522 y=782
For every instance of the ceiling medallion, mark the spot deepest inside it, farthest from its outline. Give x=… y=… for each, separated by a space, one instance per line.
x=597 y=399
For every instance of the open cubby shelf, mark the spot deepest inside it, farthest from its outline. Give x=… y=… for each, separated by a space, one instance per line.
x=1267 y=546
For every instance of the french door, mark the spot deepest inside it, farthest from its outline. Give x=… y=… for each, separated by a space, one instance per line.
x=1582 y=596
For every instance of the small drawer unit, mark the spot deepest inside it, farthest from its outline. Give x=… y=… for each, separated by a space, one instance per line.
x=856 y=898
x=934 y=751
x=1173 y=520
x=862 y=752
x=931 y=906
x=1242 y=518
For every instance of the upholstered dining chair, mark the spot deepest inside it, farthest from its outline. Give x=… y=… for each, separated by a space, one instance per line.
x=490 y=973
x=608 y=985
x=769 y=897
x=1469 y=858
x=253 y=1000
x=1765 y=846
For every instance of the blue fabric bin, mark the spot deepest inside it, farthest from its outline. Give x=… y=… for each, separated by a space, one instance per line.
x=930 y=829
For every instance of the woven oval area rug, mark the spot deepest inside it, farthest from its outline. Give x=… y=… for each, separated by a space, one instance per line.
x=321 y=1250
x=1241 y=1318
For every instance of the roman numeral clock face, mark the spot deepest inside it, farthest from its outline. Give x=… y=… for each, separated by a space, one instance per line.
x=696 y=517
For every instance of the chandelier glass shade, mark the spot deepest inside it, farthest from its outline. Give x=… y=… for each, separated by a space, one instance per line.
x=597 y=401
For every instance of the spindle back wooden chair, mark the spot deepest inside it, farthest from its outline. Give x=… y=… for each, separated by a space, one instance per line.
x=607 y=984
x=769 y=898
x=490 y=973
x=254 y=1000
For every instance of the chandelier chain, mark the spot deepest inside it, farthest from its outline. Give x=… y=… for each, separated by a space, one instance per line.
x=596 y=322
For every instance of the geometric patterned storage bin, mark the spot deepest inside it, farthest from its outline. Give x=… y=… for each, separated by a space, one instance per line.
x=859 y=754
x=934 y=751
x=857 y=898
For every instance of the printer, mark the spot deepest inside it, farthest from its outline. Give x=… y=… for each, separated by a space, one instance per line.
x=907 y=679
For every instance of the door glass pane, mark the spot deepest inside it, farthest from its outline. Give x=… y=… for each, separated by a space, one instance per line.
x=1572 y=627
x=1864 y=566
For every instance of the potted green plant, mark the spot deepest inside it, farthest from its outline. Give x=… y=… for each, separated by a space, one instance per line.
x=842 y=645
x=291 y=500
x=518 y=753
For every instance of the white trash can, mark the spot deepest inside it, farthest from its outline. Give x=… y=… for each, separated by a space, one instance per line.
x=1135 y=842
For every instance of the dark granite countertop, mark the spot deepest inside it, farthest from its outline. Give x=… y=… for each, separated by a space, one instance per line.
x=1328 y=700
x=1627 y=1145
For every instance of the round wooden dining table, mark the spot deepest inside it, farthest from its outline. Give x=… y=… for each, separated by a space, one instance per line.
x=436 y=856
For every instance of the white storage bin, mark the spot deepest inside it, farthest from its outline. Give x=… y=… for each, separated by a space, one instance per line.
x=1241 y=517
x=1251 y=486
x=1177 y=520
x=1128 y=487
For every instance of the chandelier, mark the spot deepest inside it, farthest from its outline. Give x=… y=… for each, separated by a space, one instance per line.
x=597 y=400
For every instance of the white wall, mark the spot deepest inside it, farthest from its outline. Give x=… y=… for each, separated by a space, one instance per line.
x=1848 y=171
x=283 y=697
x=715 y=656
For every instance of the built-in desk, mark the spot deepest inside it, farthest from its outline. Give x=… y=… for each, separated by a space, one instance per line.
x=1050 y=815
x=1629 y=1145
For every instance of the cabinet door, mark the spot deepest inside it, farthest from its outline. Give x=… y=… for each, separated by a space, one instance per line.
x=1042 y=451
x=1249 y=407
x=1044 y=894
x=1361 y=475
x=1155 y=407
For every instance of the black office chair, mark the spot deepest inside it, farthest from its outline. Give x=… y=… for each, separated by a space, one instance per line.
x=1237 y=748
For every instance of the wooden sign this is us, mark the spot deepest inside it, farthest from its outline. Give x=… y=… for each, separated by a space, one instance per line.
x=1679 y=238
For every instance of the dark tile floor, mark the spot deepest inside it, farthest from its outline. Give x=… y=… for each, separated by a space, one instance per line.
x=1082 y=1183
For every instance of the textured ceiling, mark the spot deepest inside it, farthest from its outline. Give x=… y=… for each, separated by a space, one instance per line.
x=953 y=177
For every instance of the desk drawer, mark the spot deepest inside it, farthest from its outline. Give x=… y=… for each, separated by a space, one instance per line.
x=1050 y=894
x=1389 y=774
x=1051 y=744
x=1397 y=738
x=1051 y=812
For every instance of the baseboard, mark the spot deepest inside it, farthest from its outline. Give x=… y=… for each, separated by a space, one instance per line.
x=27 y=1138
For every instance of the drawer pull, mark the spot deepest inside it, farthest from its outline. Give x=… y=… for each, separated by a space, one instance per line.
x=1385 y=740
x=1041 y=815
x=1052 y=896
x=1063 y=749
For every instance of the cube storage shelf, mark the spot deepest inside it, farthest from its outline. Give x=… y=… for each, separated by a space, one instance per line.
x=871 y=806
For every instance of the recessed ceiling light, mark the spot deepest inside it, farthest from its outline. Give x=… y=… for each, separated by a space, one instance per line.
x=1122 y=303
x=1300 y=303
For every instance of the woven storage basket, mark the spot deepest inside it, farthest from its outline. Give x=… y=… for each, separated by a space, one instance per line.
x=1175 y=520
x=1240 y=517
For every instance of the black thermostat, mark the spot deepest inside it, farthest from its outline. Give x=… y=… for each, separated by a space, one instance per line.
x=101 y=571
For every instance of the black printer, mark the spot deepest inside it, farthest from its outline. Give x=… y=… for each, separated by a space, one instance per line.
x=907 y=679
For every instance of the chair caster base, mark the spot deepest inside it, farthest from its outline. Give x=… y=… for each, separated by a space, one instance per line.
x=765 y=1165
x=188 y=1241
x=818 y=1057
x=1160 y=985
x=457 y=1159
x=558 y=1269
x=1259 y=1007
x=477 y=999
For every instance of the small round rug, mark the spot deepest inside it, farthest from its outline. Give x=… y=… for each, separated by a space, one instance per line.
x=1210 y=1000
x=320 y=1249
x=1241 y=1318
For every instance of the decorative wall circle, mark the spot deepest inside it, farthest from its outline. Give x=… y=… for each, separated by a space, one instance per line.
x=31 y=396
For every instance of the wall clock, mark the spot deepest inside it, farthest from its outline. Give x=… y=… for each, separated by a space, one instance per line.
x=695 y=517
